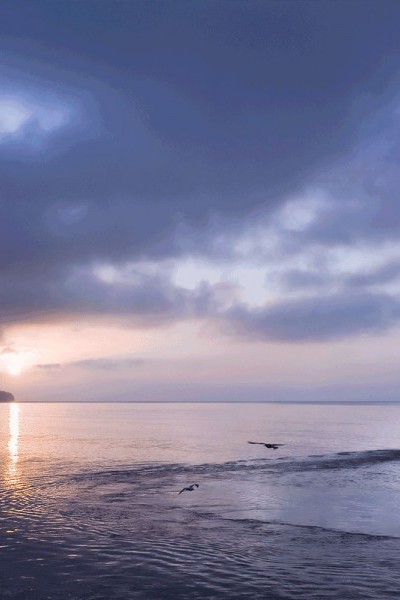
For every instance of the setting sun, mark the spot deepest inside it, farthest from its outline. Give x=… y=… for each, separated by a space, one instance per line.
x=14 y=366
x=13 y=363
x=15 y=369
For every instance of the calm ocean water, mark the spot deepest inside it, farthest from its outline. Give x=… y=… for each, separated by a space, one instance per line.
x=90 y=510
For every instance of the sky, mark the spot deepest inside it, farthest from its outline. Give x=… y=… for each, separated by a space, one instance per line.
x=199 y=200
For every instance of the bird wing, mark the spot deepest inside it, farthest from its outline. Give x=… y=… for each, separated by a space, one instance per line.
x=256 y=443
x=183 y=490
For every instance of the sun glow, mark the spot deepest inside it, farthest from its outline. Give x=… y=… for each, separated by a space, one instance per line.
x=15 y=368
x=15 y=362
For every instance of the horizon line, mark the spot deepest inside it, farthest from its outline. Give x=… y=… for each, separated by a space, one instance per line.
x=303 y=402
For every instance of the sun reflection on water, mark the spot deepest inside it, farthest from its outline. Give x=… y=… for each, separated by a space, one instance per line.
x=13 y=441
x=15 y=489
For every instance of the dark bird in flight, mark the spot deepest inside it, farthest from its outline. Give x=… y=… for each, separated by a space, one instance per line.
x=272 y=446
x=189 y=488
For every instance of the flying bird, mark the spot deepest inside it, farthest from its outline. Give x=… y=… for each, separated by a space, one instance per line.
x=189 y=488
x=272 y=446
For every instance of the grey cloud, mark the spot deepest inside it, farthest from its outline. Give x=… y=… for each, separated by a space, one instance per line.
x=144 y=300
x=301 y=279
x=236 y=107
x=109 y=364
x=363 y=192
x=316 y=319
x=94 y=364
x=152 y=300
x=183 y=133
x=385 y=274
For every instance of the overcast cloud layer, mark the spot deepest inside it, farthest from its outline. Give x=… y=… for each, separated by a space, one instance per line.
x=230 y=161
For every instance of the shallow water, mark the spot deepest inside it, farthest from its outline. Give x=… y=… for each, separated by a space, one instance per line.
x=89 y=503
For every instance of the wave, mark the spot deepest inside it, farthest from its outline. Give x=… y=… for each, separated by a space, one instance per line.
x=344 y=460
x=334 y=461
x=260 y=523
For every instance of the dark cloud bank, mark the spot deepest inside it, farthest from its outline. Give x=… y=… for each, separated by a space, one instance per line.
x=163 y=117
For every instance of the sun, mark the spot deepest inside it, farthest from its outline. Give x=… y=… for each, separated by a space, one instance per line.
x=14 y=368
x=13 y=363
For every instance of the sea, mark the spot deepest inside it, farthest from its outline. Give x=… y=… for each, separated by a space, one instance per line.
x=90 y=507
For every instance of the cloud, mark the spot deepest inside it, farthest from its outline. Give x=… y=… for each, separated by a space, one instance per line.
x=296 y=280
x=8 y=350
x=385 y=274
x=94 y=364
x=267 y=150
x=142 y=294
x=23 y=120
x=316 y=319
x=108 y=364
x=173 y=149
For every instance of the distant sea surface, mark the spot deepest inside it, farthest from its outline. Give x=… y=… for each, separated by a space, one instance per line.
x=90 y=510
